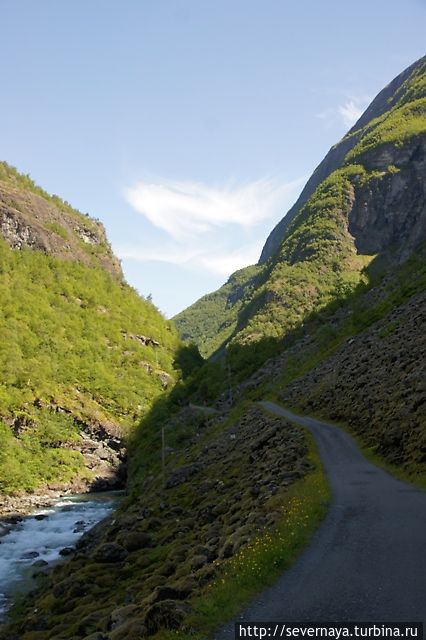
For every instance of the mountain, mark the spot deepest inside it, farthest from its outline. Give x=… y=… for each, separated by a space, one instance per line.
x=82 y=355
x=222 y=498
x=366 y=198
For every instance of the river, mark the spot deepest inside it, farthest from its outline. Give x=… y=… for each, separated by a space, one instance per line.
x=39 y=538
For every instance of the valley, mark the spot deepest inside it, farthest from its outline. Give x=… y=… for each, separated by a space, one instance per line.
x=229 y=498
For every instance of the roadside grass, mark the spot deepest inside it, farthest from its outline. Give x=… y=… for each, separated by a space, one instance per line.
x=369 y=451
x=263 y=559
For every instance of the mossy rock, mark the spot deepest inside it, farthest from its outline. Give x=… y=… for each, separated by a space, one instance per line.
x=154 y=581
x=167 y=592
x=168 y=569
x=187 y=584
x=168 y=614
x=68 y=586
x=122 y=614
x=94 y=621
x=134 y=540
x=198 y=561
x=132 y=630
x=110 y=552
x=205 y=574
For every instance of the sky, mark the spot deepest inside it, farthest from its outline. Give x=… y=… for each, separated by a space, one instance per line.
x=188 y=127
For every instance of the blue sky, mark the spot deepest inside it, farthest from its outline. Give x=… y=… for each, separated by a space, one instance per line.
x=188 y=127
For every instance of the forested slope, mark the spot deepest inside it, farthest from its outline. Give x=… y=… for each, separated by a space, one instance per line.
x=82 y=355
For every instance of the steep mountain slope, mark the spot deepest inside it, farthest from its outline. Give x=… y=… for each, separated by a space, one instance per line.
x=210 y=322
x=81 y=355
x=387 y=98
x=361 y=362
x=376 y=384
x=367 y=197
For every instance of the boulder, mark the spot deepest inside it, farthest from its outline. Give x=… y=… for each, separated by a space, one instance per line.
x=168 y=593
x=135 y=540
x=121 y=615
x=181 y=475
x=110 y=552
x=67 y=551
x=167 y=614
x=40 y=563
x=30 y=554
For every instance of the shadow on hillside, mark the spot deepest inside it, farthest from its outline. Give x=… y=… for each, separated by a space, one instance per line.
x=217 y=381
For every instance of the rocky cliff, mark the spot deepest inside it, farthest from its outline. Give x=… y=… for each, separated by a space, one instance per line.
x=30 y=217
x=336 y=156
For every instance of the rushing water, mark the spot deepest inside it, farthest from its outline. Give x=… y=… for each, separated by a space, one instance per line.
x=39 y=538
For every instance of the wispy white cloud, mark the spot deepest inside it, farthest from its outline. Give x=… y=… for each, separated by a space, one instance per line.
x=218 y=261
x=229 y=262
x=350 y=112
x=346 y=113
x=190 y=208
x=216 y=229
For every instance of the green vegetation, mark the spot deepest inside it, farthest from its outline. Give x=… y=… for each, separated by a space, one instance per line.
x=318 y=261
x=415 y=85
x=394 y=127
x=38 y=454
x=69 y=339
x=261 y=561
x=211 y=321
x=58 y=229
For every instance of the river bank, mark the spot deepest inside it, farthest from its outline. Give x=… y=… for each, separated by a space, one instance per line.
x=31 y=544
x=13 y=506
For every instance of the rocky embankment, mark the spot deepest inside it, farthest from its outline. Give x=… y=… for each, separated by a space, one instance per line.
x=376 y=384
x=135 y=573
x=102 y=445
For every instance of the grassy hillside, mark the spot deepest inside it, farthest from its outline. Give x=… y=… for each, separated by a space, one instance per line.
x=80 y=349
x=211 y=321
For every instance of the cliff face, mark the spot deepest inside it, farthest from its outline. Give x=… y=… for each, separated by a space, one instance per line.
x=336 y=156
x=29 y=217
x=389 y=211
x=367 y=197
